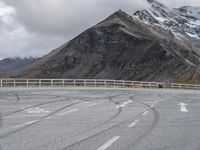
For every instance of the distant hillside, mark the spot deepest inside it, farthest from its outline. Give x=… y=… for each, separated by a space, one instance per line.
x=9 y=66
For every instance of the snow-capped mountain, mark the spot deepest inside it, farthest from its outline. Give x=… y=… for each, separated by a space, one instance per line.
x=156 y=44
x=183 y=22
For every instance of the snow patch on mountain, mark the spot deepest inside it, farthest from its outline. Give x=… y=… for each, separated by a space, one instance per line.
x=192 y=35
x=183 y=22
x=191 y=11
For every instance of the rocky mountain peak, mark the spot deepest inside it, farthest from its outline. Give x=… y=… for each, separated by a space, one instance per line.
x=116 y=18
x=184 y=22
x=156 y=4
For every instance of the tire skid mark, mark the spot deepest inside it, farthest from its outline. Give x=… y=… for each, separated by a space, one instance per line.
x=150 y=128
x=3 y=96
x=39 y=120
x=113 y=117
x=16 y=93
x=108 y=120
x=153 y=125
x=41 y=104
x=17 y=96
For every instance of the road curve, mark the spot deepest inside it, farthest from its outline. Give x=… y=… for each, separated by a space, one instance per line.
x=99 y=119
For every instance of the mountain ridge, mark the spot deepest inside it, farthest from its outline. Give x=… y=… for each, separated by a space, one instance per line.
x=9 y=66
x=122 y=47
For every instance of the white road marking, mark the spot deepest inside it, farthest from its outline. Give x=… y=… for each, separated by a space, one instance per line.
x=91 y=105
x=130 y=101
x=109 y=143
x=36 y=111
x=24 y=124
x=183 y=107
x=124 y=104
x=118 y=106
x=67 y=112
x=17 y=126
x=31 y=122
x=133 y=123
x=24 y=116
x=48 y=117
x=145 y=113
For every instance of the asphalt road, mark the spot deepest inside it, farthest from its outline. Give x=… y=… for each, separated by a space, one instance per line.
x=99 y=119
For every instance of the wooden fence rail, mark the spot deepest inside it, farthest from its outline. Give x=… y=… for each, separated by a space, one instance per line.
x=91 y=83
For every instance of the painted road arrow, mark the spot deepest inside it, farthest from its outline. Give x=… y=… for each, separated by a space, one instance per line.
x=183 y=107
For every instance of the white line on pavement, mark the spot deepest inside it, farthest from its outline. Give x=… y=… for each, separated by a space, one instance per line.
x=130 y=101
x=67 y=112
x=124 y=104
x=91 y=105
x=23 y=116
x=48 y=118
x=110 y=142
x=133 y=123
x=152 y=106
x=118 y=106
x=27 y=123
x=145 y=113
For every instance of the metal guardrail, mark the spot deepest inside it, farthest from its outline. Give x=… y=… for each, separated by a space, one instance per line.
x=91 y=83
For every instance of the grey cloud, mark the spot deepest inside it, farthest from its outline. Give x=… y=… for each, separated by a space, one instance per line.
x=41 y=25
x=22 y=43
x=38 y=26
x=67 y=17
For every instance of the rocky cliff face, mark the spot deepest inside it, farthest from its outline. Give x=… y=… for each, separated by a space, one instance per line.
x=121 y=47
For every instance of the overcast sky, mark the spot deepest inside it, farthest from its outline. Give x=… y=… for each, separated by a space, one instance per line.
x=35 y=27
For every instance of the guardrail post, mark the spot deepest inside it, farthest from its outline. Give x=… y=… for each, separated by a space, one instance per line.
x=84 y=82
x=1 y=83
x=51 y=83
x=95 y=83
x=39 y=82
x=63 y=83
x=14 y=84
x=74 y=82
